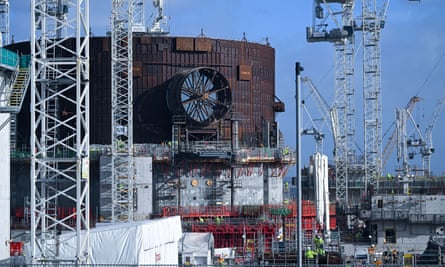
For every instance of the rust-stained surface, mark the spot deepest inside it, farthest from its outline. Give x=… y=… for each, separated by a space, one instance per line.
x=245 y=72
x=248 y=67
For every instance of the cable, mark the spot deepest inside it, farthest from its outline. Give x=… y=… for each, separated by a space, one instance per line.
x=431 y=73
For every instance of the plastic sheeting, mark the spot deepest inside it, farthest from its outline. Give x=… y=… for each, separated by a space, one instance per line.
x=198 y=244
x=196 y=248
x=140 y=242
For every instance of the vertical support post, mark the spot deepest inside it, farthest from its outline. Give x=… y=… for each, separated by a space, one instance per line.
x=298 y=70
x=122 y=162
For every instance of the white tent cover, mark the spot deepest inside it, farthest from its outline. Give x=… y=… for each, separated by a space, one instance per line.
x=139 y=242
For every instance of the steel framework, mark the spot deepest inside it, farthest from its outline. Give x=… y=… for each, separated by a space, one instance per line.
x=60 y=125
x=372 y=24
x=428 y=149
x=159 y=25
x=326 y=113
x=4 y=21
x=122 y=162
x=392 y=140
x=139 y=16
x=343 y=38
x=402 y=116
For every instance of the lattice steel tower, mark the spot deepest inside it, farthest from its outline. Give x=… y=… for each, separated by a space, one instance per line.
x=4 y=21
x=138 y=24
x=372 y=24
x=60 y=125
x=122 y=162
x=343 y=38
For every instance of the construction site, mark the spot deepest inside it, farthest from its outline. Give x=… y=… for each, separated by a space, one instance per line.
x=143 y=148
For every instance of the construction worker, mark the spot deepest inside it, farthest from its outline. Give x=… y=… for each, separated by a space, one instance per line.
x=310 y=254
x=286 y=151
x=221 y=261
x=319 y=248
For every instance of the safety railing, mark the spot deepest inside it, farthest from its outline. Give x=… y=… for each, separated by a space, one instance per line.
x=8 y=58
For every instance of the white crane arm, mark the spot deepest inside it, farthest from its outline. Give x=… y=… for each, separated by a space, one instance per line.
x=392 y=141
x=327 y=113
x=434 y=118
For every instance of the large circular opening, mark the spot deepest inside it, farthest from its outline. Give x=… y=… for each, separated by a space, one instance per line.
x=202 y=94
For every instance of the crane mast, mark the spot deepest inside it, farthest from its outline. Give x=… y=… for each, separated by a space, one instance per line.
x=405 y=143
x=138 y=16
x=122 y=158
x=392 y=141
x=418 y=142
x=373 y=21
x=372 y=117
x=160 y=22
x=343 y=38
x=428 y=149
x=4 y=22
x=60 y=125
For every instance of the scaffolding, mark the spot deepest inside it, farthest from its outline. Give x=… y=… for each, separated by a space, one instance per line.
x=264 y=232
x=122 y=158
x=59 y=121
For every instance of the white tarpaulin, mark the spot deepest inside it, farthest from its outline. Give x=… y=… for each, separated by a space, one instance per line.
x=198 y=244
x=197 y=248
x=140 y=242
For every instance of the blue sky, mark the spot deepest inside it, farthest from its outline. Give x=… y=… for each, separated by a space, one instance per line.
x=412 y=45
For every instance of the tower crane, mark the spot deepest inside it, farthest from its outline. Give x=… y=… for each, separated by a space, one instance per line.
x=160 y=22
x=321 y=160
x=392 y=141
x=342 y=35
x=405 y=143
x=122 y=158
x=314 y=131
x=372 y=22
x=326 y=112
x=428 y=149
x=60 y=124
x=418 y=142
x=138 y=16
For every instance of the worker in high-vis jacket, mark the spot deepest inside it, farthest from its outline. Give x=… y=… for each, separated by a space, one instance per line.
x=319 y=247
x=310 y=254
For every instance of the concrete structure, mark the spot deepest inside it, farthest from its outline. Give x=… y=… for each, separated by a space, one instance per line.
x=407 y=222
x=5 y=189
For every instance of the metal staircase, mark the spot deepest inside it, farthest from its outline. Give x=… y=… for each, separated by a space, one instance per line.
x=18 y=90
x=12 y=93
x=15 y=82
